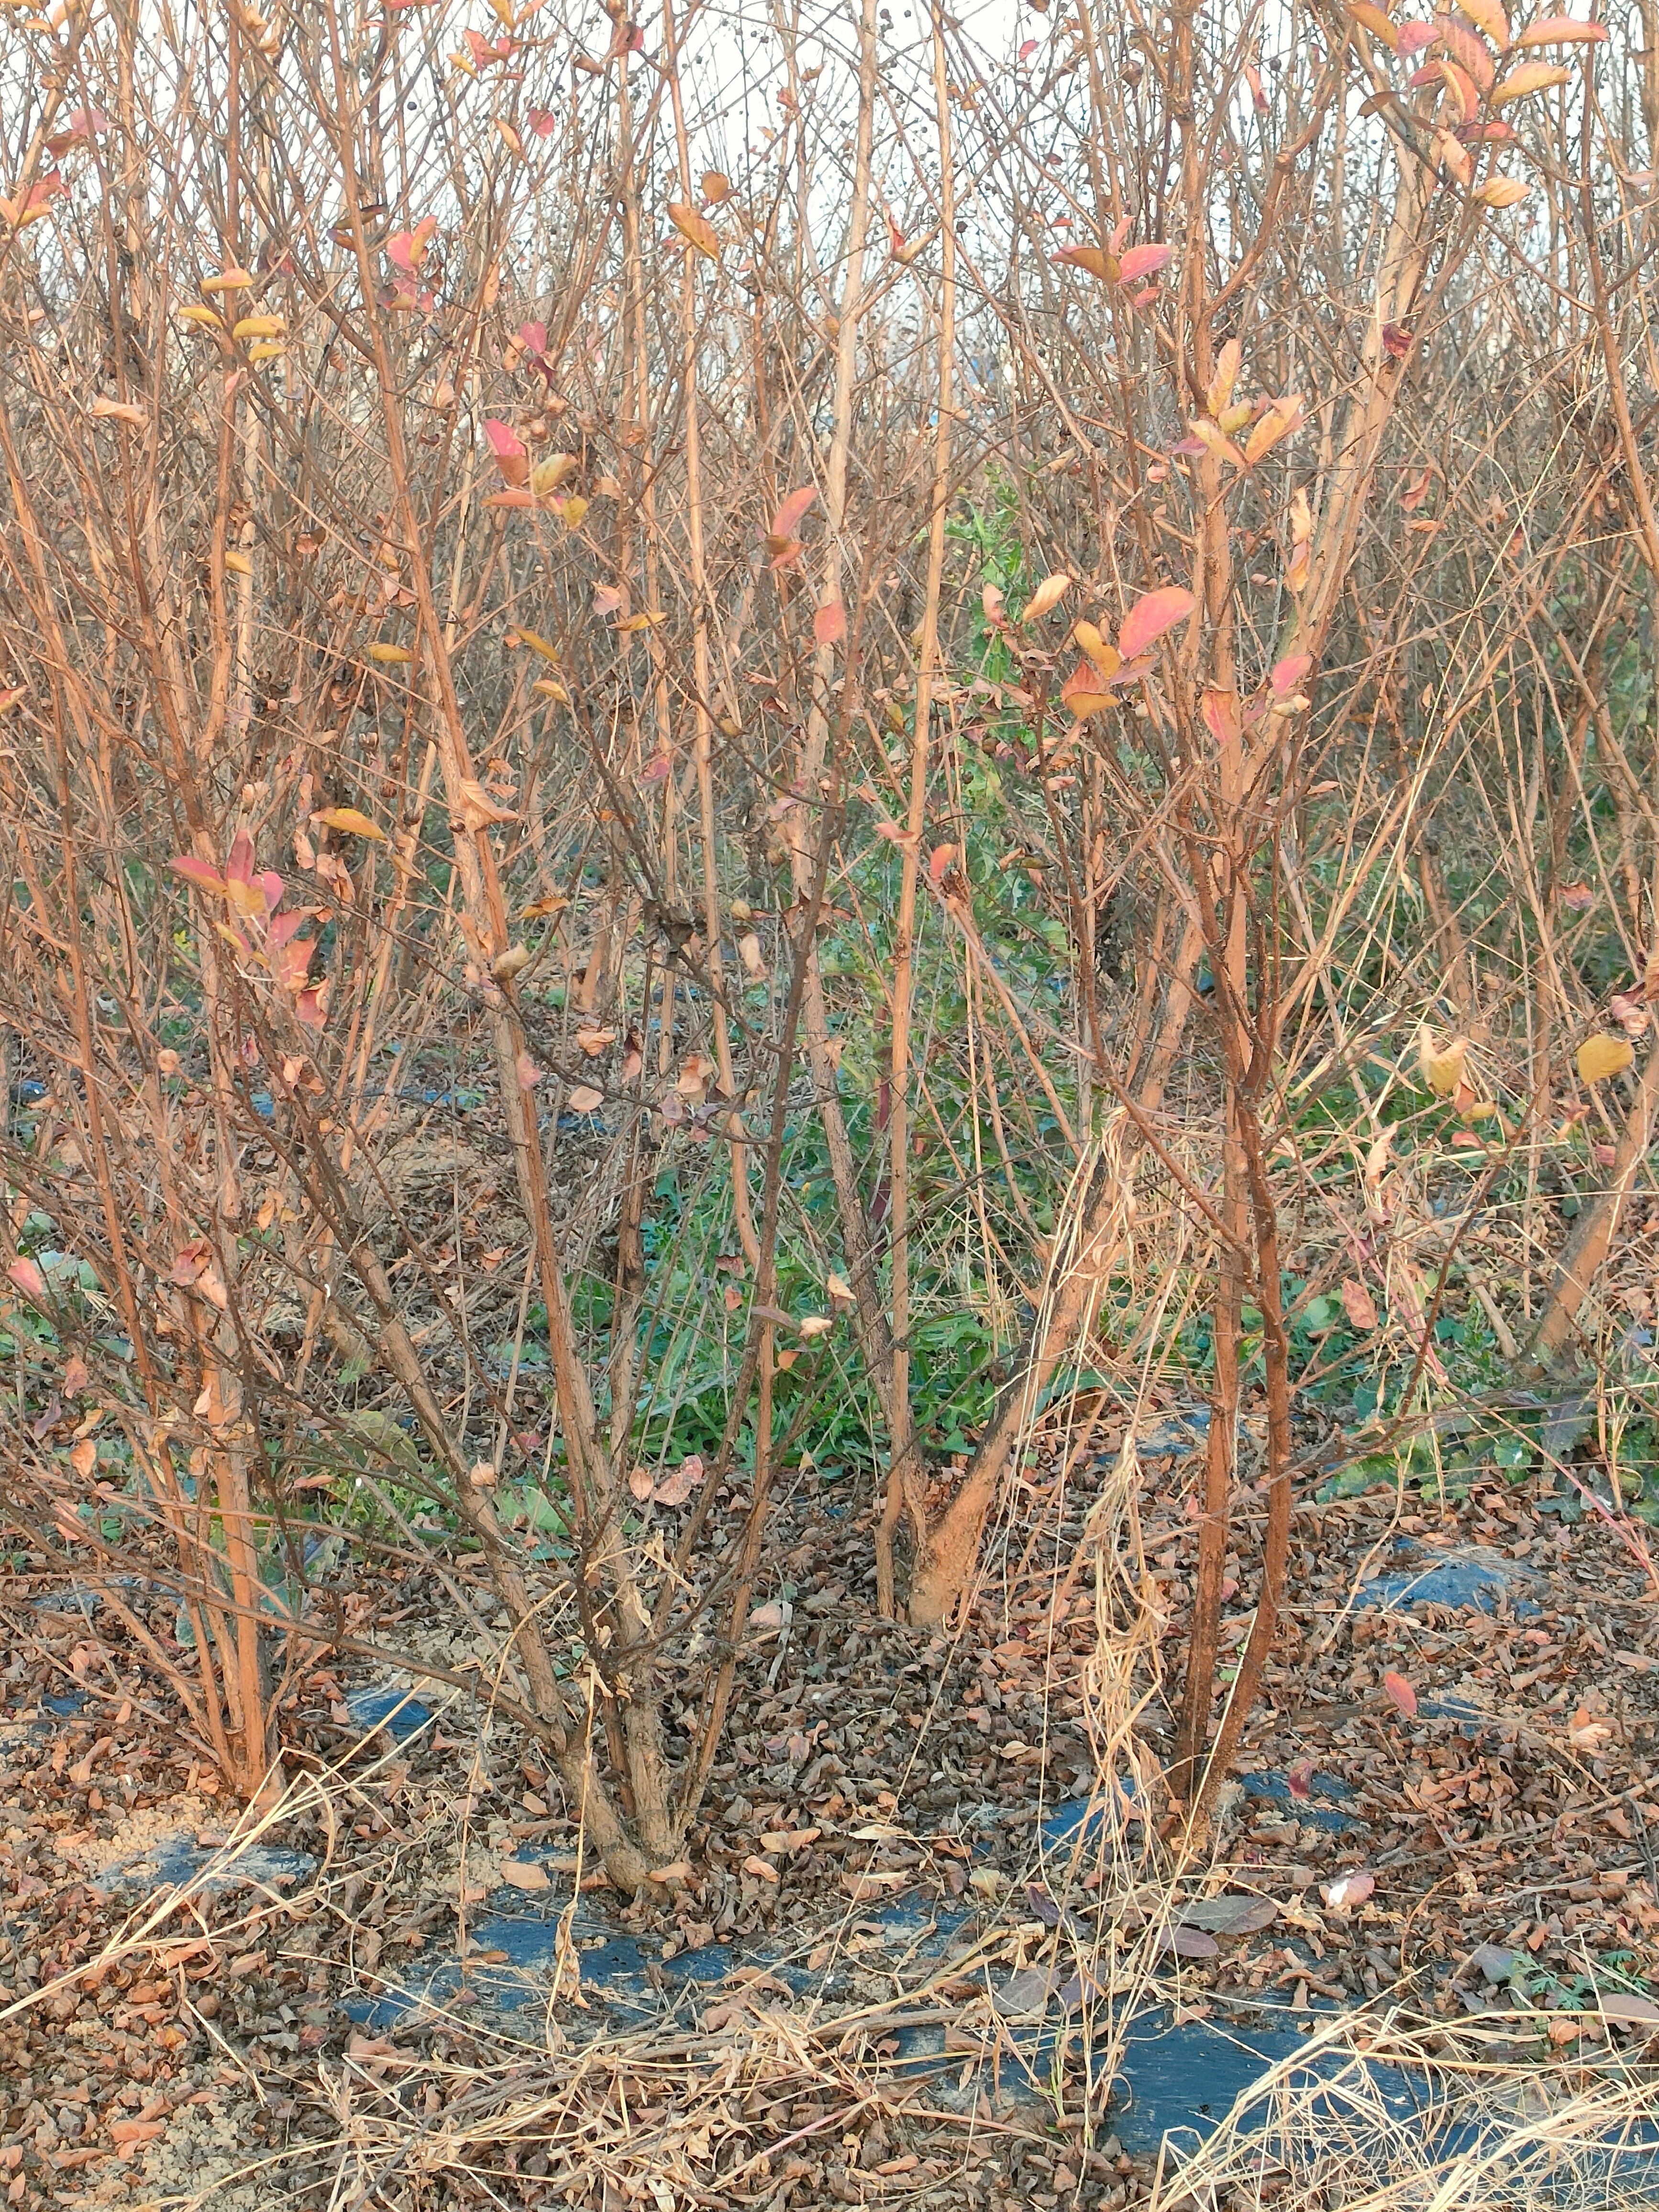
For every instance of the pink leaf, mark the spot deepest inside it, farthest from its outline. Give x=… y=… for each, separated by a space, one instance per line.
x=405 y=250
x=198 y=872
x=533 y=336
x=1300 y=1779
x=1150 y=617
x=1400 y=1691
x=1142 y=261
x=1413 y=37
x=528 y=1073
x=504 y=443
x=830 y=624
x=28 y=1279
x=786 y=520
x=238 y=868
x=1289 y=674
x=541 y=120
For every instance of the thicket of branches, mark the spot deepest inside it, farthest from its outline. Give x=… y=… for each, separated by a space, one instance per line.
x=866 y=648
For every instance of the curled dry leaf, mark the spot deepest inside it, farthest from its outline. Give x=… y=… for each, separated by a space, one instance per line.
x=478 y=810
x=1359 y=1304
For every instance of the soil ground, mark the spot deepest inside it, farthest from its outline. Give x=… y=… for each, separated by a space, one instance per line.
x=1491 y=1770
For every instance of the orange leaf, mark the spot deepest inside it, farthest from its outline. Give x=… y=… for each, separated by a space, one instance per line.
x=696 y=228
x=829 y=622
x=1400 y=1691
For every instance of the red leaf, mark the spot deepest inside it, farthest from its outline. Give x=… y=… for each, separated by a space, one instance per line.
x=1400 y=1691
x=1300 y=1778
x=1150 y=616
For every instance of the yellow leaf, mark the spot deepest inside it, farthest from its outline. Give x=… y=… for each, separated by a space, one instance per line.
x=1376 y=22
x=207 y=319
x=573 y=511
x=238 y=563
x=267 y=349
x=348 y=819
x=1048 y=595
x=716 y=186
x=550 y=688
x=1442 y=1065
x=259 y=326
x=536 y=643
x=1531 y=77
x=549 y=474
x=390 y=655
x=1281 y=418
x=1600 y=1056
x=1105 y=655
x=1500 y=192
x=694 y=227
x=639 y=622
x=1218 y=395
